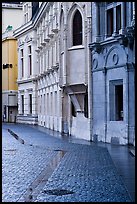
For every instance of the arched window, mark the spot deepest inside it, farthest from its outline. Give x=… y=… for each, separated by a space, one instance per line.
x=77 y=29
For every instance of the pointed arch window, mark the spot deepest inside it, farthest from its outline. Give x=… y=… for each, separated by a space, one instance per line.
x=77 y=29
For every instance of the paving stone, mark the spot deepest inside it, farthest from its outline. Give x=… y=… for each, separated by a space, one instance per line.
x=88 y=171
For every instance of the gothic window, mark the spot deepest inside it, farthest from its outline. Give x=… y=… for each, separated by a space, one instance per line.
x=77 y=29
x=62 y=31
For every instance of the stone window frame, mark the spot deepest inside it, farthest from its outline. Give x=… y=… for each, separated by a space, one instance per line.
x=112 y=100
x=70 y=28
x=77 y=41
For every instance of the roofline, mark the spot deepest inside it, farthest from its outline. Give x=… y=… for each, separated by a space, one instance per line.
x=32 y=23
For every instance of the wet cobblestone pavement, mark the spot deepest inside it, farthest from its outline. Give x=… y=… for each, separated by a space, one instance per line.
x=51 y=169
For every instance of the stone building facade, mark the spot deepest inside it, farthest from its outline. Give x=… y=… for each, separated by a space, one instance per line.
x=76 y=73
x=53 y=70
x=113 y=66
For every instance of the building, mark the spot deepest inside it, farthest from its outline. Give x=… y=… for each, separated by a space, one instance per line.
x=53 y=44
x=76 y=73
x=113 y=67
x=10 y=12
x=12 y=15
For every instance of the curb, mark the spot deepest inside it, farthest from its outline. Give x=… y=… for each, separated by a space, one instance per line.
x=16 y=136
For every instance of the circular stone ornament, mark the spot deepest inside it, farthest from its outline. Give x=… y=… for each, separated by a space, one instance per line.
x=115 y=59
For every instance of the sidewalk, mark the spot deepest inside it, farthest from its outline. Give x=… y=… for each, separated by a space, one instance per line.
x=123 y=157
x=84 y=169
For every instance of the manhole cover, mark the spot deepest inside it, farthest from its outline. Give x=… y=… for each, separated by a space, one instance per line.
x=58 y=192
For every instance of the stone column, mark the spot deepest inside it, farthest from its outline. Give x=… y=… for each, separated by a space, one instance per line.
x=114 y=21
x=123 y=17
x=106 y=23
x=133 y=20
x=97 y=22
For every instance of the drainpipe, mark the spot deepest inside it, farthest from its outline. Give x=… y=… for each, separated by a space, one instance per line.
x=90 y=91
x=127 y=79
x=88 y=65
x=105 y=90
x=90 y=80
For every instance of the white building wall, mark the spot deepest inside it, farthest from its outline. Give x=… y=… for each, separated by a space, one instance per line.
x=12 y=14
x=51 y=74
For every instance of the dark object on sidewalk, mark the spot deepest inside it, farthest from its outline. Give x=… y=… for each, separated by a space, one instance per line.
x=58 y=192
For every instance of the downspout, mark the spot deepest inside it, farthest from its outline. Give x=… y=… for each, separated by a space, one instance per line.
x=90 y=90
x=127 y=79
x=105 y=89
x=90 y=81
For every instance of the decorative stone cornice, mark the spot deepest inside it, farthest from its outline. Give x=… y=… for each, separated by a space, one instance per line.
x=55 y=30
x=47 y=39
x=43 y=43
x=96 y=47
x=50 y=35
x=122 y=39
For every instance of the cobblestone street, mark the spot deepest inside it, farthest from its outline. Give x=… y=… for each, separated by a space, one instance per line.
x=38 y=167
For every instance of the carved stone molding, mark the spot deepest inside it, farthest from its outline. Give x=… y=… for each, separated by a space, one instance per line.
x=95 y=63
x=96 y=47
x=115 y=58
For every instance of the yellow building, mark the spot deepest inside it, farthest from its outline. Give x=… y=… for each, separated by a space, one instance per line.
x=9 y=77
x=12 y=18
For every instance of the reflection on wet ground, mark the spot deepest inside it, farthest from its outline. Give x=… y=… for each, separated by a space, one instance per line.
x=38 y=184
x=50 y=180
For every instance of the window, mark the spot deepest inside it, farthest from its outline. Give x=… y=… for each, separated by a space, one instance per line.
x=30 y=64
x=41 y=104
x=30 y=103
x=86 y=105
x=77 y=29
x=73 y=110
x=22 y=63
x=115 y=12
x=118 y=18
x=109 y=22
x=26 y=13
x=119 y=102
x=116 y=100
x=22 y=100
x=35 y=7
x=5 y=112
